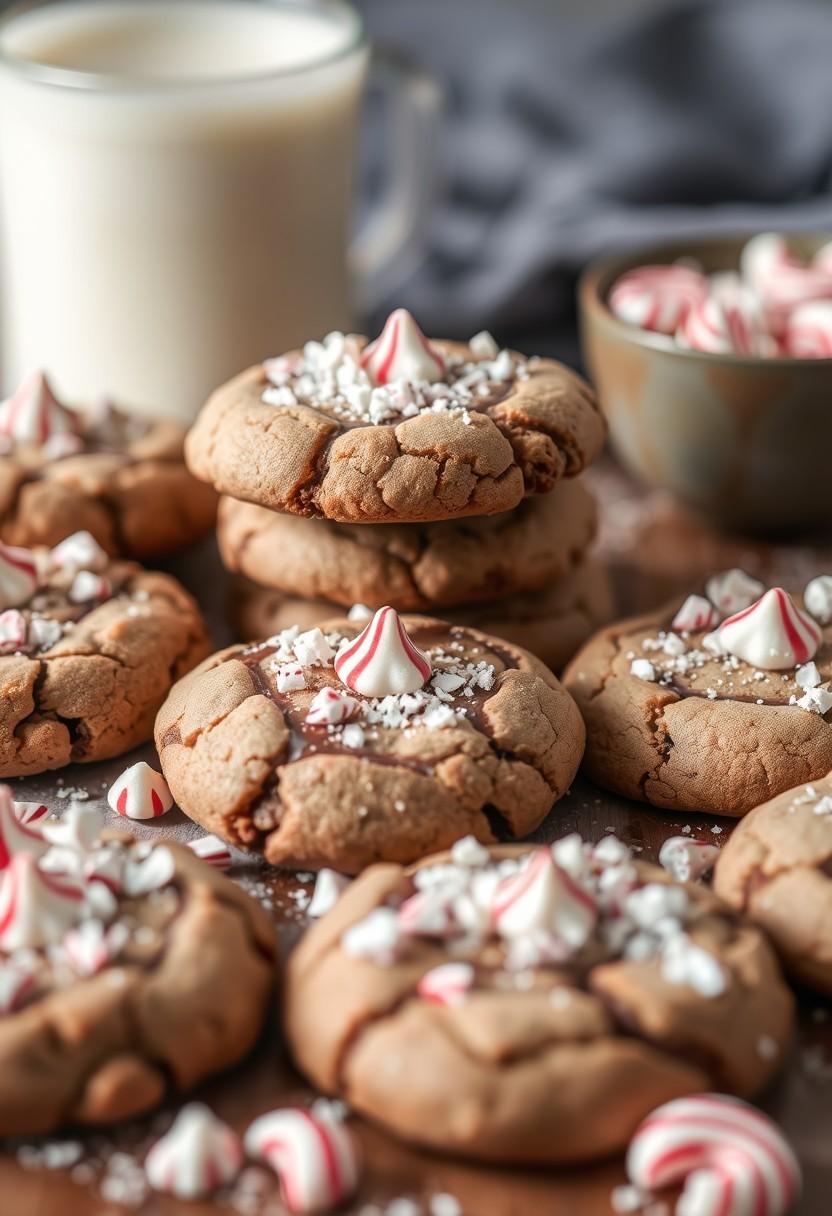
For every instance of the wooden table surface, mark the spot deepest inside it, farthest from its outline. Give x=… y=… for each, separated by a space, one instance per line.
x=653 y=550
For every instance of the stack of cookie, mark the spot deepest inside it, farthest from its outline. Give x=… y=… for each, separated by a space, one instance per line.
x=465 y=453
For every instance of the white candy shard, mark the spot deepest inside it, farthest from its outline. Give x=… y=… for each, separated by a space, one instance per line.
x=772 y=634
x=91 y=946
x=213 y=851
x=402 y=352
x=315 y=1158
x=13 y=631
x=817 y=598
x=732 y=591
x=290 y=677
x=687 y=859
x=33 y=415
x=140 y=793
x=18 y=576
x=382 y=661
x=78 y=830
x=15 y=836
x=729 y=1158
x=544 y=897
x=80 y=551
x=643 y=669
x=197 y=1156
x=329 y=887
x=330 y=707
x=448 y=984
x=30 y=812
x=312 y=649
x=695 y=614
x=151 y=872
x=88 y=587
x=36 y=909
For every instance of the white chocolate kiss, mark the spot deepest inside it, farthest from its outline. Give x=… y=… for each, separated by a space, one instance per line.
x=382 y=661
x=773 y=634
x=402 y=352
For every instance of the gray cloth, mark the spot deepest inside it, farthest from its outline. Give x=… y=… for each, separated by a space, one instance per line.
x=564 y=140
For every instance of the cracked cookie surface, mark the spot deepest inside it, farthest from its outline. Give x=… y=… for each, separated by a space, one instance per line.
x=175 y=988
x=413 y=567
x=720 y=737
x=129 y=489
x=405 y=776
x=551 y=623
x=537 y=1053
x=521 y=438
x=777 y=870
x=90 y=687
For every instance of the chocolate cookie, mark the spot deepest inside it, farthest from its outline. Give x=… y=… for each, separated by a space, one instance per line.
x=434 y=431
x=121 y=478
x=127 y=969
x=531 y=1006
x=777 y=870
x=413 y=566
x=551 y=623
x=688 y=713
x=320 y=750
x=89 y=648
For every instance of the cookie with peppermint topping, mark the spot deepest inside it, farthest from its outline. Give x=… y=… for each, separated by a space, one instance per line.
x=353 y=742
x=716 y=703
x=531 y=1005
x=399 y=430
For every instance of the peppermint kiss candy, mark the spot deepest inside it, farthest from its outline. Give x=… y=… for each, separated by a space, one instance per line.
x=448 y=984
x=30 y=812
x=140 y=793
x=81 y=551
x=13 y=631
x=15 y=836
x=196 y=1157
x=36 y=909
x=33 y=415
x=809 y=331
x=728 y=321
x=686 y=859
x=213 y=851
x=18 y=576
x=695 y=614
x=382 y=661
x=402 y=352
x=657 y=297
x=544 y=897
x=817 y=598
x=732 y=591
x=315 y=1159
x=729 y=1158
x=329 y=887
x=329 y=707
x=773 y=634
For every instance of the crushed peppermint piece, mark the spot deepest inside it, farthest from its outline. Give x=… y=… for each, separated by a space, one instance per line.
x=643 y=669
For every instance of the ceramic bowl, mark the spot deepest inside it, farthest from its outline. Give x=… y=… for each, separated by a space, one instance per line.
x=744 y=440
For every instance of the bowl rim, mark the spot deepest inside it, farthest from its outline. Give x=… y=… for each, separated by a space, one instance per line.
x=598 y=276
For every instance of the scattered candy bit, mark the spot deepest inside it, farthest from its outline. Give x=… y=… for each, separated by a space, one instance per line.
x=140 y=793
x=817 y=599
x=448 y=984
x=33 y=415
x=315 y=1158
x=643 y=669
x=36 y=908
x=80 y=551
x=290 y=678
x=329 y=707
x=729 y=1158
x=402 y=352
x=197 y=1156
x=544 y=897
x=696 y=613
x=91 y=946
x=18 y=576
x=772 y=634
x=30 y=812
x=213 y=851
x=13 y=631
x=382 y=660
x=732 y=591
x=329 y=887
x=15 y=836
x=687 y=859
x=658 y=298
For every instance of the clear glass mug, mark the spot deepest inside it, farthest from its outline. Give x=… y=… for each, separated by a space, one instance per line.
x=176 y=189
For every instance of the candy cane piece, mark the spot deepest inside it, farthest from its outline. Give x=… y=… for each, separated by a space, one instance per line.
x=315 y=1159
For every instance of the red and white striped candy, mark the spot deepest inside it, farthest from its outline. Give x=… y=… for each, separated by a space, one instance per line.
x=687 y=859
x=772 y=634
x=729 y=1158
x=428 y=913
x=17 y=979
x=542 y=896
x=729 y=320
x=80 y=551
x=732 y=590
x=695 y=614
x=13 y=631
x=382 y=661
x=36 y=908
x=822 y=260
x=657 y=298
x=18 y=576
x=33 y=415
x=780 y=278
x=315 y=1159
x=197 y=1156
x=30 y=812
x=213 y=851
x=140 y=793
x=402 y=352
x=15 y=836
x=809 y=331
x=91 y=946
x=448 y=984
x=329 y=707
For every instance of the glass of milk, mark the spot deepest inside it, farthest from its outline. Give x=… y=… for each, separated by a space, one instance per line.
x=176 y=183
